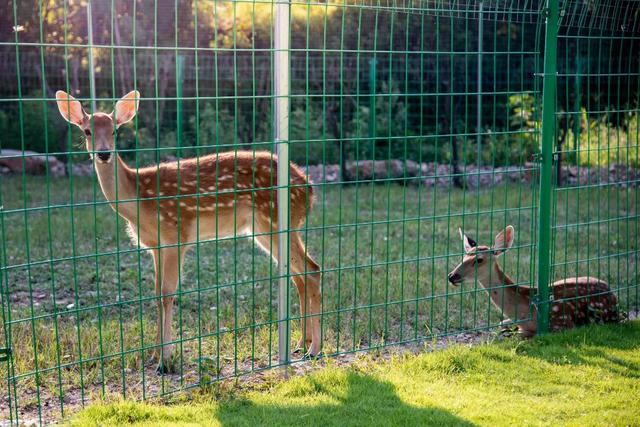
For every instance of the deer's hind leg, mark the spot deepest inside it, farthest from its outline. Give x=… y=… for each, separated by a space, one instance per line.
x=306 y=277
x=307 y=281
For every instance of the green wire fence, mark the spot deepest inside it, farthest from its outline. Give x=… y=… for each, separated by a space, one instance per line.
x=410 y=118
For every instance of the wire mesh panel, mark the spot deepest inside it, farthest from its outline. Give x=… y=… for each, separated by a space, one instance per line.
x=405 y=122
x=596 y=151
x=389 y=116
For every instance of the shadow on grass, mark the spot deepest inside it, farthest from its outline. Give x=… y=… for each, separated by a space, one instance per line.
x=350 y=399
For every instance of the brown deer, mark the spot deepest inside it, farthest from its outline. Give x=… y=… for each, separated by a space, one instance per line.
x=576 y=300
x=171 y=206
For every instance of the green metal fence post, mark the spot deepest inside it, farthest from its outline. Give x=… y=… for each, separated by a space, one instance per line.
x=372 y=99
x=281 y=127
x=179 y=84
x=479 y=80
x=548 y=142
x=577 y=117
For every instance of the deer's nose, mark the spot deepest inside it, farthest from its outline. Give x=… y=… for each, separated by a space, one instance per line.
x=454 y=278
x=104 y=156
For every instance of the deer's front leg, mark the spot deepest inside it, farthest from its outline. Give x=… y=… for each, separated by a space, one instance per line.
x=158 y=290
x=170 y=261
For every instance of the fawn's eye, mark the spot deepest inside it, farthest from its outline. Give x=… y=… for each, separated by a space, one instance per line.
x=479 y=260
x=87 y=132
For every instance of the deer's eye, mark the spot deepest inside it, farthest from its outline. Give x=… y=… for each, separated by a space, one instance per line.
x=479 y=260
x=87 y=132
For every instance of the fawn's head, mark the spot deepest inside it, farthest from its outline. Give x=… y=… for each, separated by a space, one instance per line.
x=479 y=260
x=99 y=128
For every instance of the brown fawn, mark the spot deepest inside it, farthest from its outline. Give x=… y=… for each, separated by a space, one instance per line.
x=171 y=206
x=576 y=300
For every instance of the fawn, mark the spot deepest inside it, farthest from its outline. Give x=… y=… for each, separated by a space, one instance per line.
x=210 y=197
x=576 y=300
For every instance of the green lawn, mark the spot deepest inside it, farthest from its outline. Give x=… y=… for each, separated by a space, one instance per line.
x=588 y=376
x=385 y=251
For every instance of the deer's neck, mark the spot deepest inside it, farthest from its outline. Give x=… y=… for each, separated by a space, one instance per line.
x=118 y=185
x=508 y=297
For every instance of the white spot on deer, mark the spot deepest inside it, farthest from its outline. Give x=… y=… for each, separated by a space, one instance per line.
x=147 y=180
x=150 y=192
x=555 y=308
x=211 y=188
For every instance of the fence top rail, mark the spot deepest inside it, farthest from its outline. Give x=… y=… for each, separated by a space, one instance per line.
x=602 y=16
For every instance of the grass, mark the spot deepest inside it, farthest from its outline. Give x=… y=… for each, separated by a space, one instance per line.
x=81 y=300
x=588 y=376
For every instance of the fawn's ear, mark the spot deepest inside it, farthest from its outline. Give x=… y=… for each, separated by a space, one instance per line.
x=126 y=108
x=467 y=241
x=504 y=240
x=70 y=108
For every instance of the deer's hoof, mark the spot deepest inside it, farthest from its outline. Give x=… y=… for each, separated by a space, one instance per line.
x=310 y=356
x=163 y=368
x=302 y=346
x=313 y=354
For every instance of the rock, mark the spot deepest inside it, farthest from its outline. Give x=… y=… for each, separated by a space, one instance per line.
x=367 y=170
x=82 y=169
x=484 y=177
x=30 y=162
x=319 y=174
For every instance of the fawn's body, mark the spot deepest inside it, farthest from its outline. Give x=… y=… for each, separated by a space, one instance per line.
x=576 y=300
x=171 y=206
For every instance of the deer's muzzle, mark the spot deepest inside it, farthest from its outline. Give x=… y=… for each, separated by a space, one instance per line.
x=104 y=156
x=455 y=278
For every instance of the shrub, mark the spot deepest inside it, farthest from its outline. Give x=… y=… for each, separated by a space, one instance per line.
x=600 y=143
x=43 y=129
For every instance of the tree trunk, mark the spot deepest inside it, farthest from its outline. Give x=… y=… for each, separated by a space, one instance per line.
x=123 y=68
x=449 y=112
x=164 y=74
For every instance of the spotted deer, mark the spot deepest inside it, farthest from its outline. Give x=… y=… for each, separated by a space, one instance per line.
x=170 y=206
x=576 y=300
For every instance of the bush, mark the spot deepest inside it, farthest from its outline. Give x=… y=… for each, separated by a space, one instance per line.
x=600 y=143
x=43 y=129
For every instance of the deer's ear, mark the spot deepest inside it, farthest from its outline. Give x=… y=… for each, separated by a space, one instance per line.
x=126 y=108
x=504 y=240
x=467 y=241
x=70 y=108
